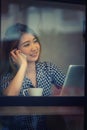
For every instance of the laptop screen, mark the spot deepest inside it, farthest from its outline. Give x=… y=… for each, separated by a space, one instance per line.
x=74 y=81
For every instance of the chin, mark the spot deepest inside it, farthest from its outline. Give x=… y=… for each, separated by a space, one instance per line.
x=33 y=60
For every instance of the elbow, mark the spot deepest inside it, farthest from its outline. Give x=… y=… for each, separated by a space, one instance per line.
x=9 y=93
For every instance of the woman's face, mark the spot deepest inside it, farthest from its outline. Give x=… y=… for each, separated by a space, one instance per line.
x=30 y=47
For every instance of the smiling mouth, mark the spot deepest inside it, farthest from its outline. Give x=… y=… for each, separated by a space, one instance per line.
x=34 y=54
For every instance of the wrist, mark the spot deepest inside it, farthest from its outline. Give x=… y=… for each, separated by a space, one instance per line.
x=23 y=67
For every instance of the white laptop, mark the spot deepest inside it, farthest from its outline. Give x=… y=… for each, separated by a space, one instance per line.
x=74 y=81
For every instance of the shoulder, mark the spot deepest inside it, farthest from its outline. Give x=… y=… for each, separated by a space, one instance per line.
x=6 y=77
x=43 y=64
x=47 y=65
x=51 y=67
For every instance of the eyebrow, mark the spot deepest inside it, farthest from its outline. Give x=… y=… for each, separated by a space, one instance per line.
x=24 y=42
x=27 y=41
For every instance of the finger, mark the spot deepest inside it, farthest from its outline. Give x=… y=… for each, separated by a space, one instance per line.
x=17 y=52
x=23 y=55
x=14 y=50
x=13 y=54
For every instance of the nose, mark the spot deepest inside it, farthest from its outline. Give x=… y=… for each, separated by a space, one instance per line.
x=33 y=47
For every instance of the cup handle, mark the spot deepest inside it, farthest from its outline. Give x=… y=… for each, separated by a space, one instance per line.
x=24 y=91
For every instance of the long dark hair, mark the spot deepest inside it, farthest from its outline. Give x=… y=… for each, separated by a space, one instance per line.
x=10 y=42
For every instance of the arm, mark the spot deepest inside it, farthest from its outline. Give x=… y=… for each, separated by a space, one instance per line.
x=57 y=76
x=14 y=86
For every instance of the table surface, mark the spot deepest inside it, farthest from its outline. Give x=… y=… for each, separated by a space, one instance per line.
x=45 y=110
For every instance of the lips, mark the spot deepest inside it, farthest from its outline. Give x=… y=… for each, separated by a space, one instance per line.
x=34 y=54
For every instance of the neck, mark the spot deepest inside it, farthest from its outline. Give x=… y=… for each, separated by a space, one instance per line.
x=31 y=67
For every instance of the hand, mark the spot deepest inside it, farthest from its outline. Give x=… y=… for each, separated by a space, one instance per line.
x=18 y=57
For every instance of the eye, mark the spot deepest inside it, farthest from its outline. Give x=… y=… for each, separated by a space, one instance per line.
x=26 y=44
x=35 y=40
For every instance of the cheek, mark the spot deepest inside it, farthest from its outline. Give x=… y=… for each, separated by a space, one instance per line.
x=39 y=47
x=25 y=50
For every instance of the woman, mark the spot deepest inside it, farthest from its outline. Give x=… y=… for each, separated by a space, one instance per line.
x=21 y=69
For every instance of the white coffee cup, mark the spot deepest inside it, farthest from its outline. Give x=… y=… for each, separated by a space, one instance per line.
x=35 y=91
